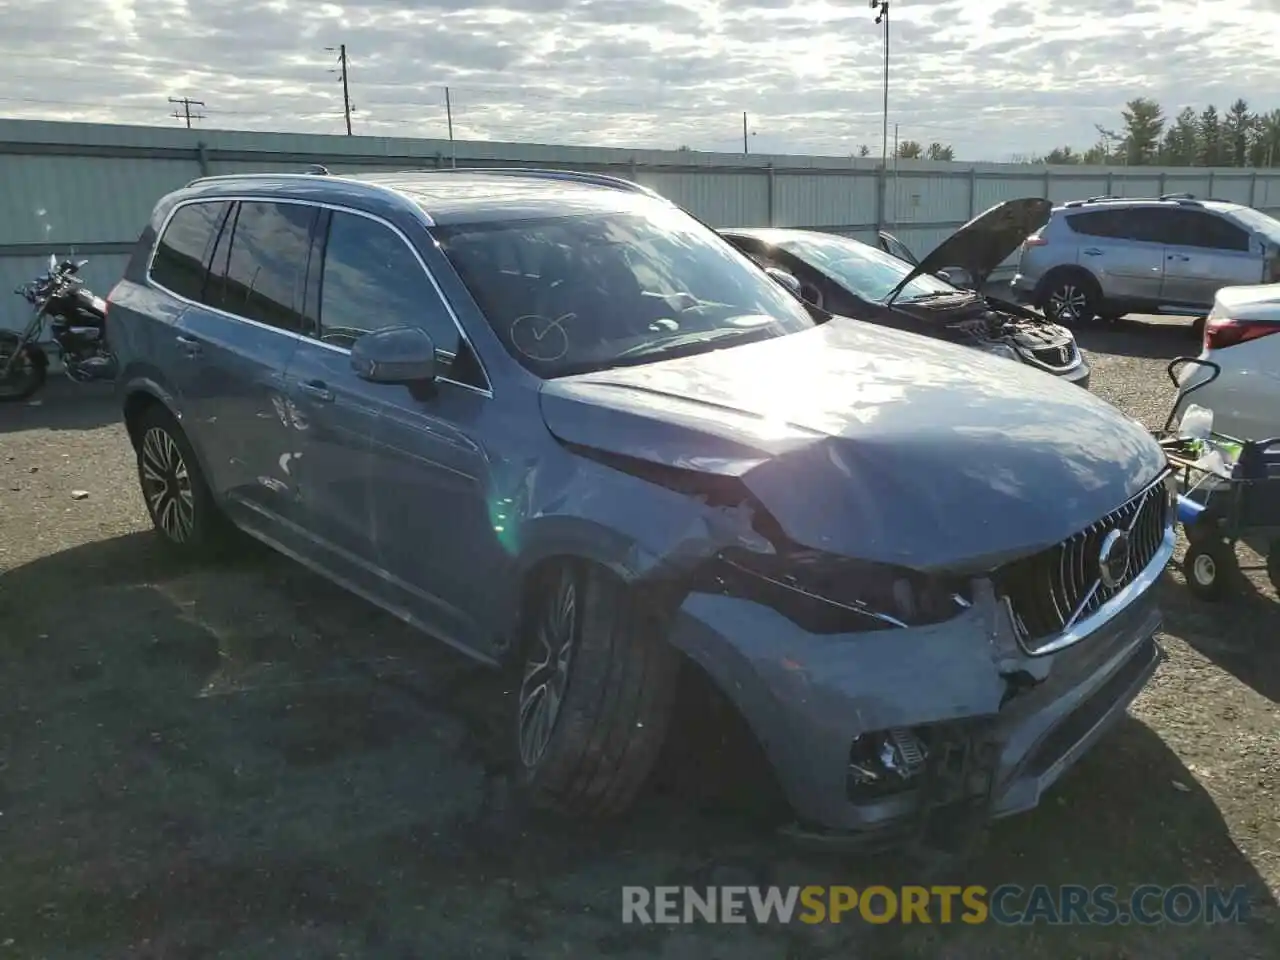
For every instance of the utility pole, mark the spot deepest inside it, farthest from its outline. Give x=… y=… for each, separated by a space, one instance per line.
x=882 y=16
x=895 y=176
x=187 y=103
x=448 y=112
x=744 y=133
x=346 y=93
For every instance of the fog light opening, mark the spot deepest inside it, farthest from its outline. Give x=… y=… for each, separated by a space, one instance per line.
x=885 y=762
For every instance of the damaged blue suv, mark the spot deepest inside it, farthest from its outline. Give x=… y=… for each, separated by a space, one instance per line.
x=556 y=422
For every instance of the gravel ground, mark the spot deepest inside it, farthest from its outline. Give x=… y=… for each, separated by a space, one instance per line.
x=237 y=760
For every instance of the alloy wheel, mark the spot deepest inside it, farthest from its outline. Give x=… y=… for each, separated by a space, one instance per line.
x=1068 y=303
x=546 y=671
x=166 y=485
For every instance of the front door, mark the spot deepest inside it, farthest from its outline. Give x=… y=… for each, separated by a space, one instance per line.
x=1204 y=253
x=393 y=478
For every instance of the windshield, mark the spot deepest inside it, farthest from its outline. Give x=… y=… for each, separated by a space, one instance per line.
x=870 y=273
x=1259 y=222
x=586 y=292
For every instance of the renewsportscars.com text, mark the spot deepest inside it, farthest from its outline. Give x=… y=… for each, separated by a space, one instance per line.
x=1008 y=904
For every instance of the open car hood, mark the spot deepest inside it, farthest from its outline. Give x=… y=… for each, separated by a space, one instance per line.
x=985 y=242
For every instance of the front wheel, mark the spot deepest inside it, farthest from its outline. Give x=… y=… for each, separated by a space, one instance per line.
x=596 y=692
x=26 y=374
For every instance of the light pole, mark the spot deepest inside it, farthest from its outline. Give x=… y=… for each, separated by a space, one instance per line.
x=882 y=16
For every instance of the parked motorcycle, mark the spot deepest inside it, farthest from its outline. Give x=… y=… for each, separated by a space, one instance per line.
x=77 y=325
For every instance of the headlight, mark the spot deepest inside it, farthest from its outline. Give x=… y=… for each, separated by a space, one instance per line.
x=1000 y=350
x=828 y=594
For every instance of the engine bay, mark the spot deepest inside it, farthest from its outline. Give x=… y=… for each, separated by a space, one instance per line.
x=1033 y=339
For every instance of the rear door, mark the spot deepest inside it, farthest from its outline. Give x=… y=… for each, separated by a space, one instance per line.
x=393 y=477
x=1123 y=248
x=240 y=341
x=179 y=267
x=1204 y=253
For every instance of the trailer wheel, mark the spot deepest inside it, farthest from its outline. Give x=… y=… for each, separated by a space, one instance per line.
x=1210 y=568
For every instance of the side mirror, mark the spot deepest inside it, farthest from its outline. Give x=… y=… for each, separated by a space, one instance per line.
x=395 y=355
x=787 y=280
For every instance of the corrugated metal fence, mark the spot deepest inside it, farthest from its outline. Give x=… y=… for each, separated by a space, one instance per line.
x=88 y=188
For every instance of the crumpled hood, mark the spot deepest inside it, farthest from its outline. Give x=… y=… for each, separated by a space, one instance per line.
x=872 y=443
x=986 y=241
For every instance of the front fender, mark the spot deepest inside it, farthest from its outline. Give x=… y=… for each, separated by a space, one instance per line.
x=634 y=527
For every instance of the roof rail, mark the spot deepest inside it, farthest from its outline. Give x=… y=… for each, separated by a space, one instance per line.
x=575 y=176
x=1177 y=196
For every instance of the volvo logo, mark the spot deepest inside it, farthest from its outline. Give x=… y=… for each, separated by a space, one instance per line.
x=1113 y=559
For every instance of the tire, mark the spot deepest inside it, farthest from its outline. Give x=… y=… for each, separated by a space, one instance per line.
x=174 y=489
x=28 y=372
x=1211 y=568
x=1070 y=297
x=586 y=743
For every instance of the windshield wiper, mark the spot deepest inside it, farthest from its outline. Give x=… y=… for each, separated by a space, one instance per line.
x=679 y=342
x=936 y=294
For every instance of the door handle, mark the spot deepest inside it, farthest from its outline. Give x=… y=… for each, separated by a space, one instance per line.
x=1092 y=252
x=316 y=389
x=1179 y=257
x=188 y=345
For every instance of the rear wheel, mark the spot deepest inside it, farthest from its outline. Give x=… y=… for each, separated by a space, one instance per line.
x=1070 y=298
x=174 y=489
x=596 y=692
x=26 y=374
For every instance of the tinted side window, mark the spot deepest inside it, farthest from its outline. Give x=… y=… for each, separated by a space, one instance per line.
x=1216 y=233
x=372 y=280
x=182 y=255
x=1153 y=224
x=1099 y=223
x=266 y=263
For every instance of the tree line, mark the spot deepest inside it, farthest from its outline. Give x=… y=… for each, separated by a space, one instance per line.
x=1239 y=137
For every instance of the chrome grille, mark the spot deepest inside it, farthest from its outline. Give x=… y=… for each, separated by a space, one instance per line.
x=1052 y=590
x=1055 y=356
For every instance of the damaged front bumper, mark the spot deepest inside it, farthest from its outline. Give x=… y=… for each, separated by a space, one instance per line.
x=890 y=733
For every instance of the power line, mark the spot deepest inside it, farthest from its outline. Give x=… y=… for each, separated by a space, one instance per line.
x=187 y=103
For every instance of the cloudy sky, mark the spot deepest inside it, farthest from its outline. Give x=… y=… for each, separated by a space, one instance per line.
x=994 y=78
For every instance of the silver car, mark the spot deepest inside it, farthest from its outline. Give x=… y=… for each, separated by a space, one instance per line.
x=1109 y=256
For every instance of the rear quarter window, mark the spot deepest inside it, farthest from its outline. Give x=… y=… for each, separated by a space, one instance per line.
x=181 y=258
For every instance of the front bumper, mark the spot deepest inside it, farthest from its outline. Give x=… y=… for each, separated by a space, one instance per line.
x=1026 y=718
x=1079 y=374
